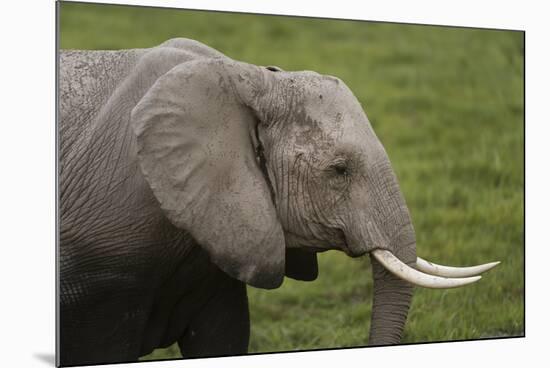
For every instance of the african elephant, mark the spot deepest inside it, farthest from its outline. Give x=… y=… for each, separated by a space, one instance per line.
x=185 y=175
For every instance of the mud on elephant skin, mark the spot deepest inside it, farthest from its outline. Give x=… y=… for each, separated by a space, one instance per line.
x=185 y=175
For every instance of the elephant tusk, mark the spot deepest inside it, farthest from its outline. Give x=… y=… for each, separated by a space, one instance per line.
x=446 y=271
x=403 y=271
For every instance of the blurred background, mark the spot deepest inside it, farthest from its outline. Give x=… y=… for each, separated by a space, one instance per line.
x=448 y=105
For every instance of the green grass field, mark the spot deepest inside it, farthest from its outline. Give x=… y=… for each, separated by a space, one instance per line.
x=447 y=103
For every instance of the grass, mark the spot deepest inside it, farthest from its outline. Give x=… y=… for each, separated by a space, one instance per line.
x=447 y=104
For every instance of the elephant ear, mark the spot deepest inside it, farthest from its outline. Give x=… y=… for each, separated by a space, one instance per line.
x=195 y=130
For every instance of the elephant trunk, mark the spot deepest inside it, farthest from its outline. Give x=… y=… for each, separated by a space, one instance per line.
x=391 y=300
x=392 y=295
x=383 y=224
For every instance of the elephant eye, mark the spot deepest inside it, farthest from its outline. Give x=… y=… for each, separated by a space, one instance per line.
x=339 y=174
x=340 y=168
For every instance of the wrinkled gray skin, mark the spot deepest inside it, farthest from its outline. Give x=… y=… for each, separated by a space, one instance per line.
x=185 y=174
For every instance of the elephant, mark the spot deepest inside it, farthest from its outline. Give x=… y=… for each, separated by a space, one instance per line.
x=185 y=175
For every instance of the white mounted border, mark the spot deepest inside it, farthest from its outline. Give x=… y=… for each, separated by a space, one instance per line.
x=27 y=154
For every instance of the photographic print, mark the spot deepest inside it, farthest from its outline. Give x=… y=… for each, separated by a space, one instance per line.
x=233 y=183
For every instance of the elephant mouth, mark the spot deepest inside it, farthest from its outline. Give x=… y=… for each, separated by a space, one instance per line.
x=294 y=240
x=353 y=253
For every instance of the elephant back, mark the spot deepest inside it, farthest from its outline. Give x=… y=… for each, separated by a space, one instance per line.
x=86 y=81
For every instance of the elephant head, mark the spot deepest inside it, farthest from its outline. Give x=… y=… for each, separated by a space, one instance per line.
x=257 y=162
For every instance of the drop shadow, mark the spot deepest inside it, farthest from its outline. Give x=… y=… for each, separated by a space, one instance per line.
x=46 y=358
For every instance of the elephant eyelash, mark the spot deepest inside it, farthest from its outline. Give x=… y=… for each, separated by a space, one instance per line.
x=339 y=174
x=340 y=169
